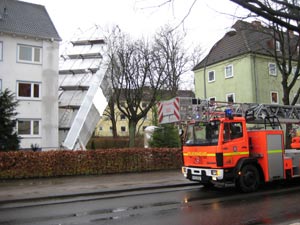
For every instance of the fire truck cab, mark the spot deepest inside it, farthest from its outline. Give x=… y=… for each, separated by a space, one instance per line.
x=223 y=152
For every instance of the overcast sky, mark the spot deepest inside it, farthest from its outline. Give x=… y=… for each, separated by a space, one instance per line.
x=208 y=21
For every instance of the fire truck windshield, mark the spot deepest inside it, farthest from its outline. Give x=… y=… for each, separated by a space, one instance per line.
x=204 y=134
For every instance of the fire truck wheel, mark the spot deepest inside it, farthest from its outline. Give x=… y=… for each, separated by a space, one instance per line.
x=248 y=181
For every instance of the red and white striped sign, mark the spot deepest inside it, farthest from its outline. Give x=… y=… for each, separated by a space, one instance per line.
x=168 y=111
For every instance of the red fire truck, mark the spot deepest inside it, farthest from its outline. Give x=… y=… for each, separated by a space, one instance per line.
x=240 y=144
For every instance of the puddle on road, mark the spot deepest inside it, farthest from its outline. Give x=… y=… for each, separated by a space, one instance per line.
x=115 y=217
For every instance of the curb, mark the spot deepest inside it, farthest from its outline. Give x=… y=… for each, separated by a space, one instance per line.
x=93 y=193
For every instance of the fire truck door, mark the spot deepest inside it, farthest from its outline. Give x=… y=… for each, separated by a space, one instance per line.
x=234 y=146
x=275 y=156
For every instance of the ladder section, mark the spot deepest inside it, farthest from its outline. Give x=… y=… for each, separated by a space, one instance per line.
x=186 y=109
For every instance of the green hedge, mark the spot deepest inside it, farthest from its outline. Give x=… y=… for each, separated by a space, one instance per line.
x=113 y=143
x=29 y=164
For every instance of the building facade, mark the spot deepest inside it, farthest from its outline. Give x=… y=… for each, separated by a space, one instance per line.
x=240 y=68
x=104 y=126
x=29 y=51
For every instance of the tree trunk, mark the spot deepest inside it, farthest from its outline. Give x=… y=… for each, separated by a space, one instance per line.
x=132 y=131
x=114 y=128
x=286 y=101
x=111 y=105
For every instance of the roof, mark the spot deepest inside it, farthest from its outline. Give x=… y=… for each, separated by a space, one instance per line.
x=22 y=18
x=244 y=38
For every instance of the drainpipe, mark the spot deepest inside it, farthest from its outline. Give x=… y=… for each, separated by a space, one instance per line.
x=255 y=78
x=204 y=78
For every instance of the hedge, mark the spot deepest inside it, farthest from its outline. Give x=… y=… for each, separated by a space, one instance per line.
x=29 y=164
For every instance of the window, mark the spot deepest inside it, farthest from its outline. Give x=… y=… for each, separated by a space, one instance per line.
x=29 y=54
x=29 y=90
x=1 y=50
x=229 y=71
x=232 y=131
x=230 y=97
x=211 y=76
x=277 y=45
x=274 y=97
x=28 y=127
x=144 y=105
x=122 y=117
x=212 y=100
x=272 y=69
x=123 y=129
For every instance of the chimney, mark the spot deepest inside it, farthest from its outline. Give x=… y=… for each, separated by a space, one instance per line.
x=256 y=24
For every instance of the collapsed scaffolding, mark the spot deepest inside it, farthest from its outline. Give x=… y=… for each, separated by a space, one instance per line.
x=83 y=87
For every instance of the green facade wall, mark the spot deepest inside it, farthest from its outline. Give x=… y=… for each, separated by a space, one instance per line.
x=251 y=81
x=240 y=84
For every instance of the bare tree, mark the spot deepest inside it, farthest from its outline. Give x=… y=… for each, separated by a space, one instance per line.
x=284 y=19
x=135 y=76
x=110 y=113
x=284 y=13
x=173 y=58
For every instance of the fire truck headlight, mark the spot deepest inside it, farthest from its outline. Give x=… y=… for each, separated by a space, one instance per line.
x=214 y=172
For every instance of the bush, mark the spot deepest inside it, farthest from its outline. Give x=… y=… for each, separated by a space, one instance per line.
x=167 y=136
x=112 y=143
x=29 y=164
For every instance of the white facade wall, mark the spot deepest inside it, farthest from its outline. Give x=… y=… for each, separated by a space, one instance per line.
x=45 y=108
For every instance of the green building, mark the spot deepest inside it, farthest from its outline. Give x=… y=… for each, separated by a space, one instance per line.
x=240 y=67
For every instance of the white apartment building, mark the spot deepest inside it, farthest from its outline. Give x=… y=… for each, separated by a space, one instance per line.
x=29 y=59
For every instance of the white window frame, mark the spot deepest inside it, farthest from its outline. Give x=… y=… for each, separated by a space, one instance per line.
x=214 y=76
x=226 y=74
x=32 y=84
x=31 y=132
x=1 y=51
x=212 y=98
x=277 y=46
x=32 y=60
x=271 y=71
x=230 y=94
x=271 y=97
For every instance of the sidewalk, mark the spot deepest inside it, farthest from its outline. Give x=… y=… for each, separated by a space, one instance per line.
x=15 y=190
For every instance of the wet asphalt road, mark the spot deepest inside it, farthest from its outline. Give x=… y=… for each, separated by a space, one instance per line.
x=274 y=204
